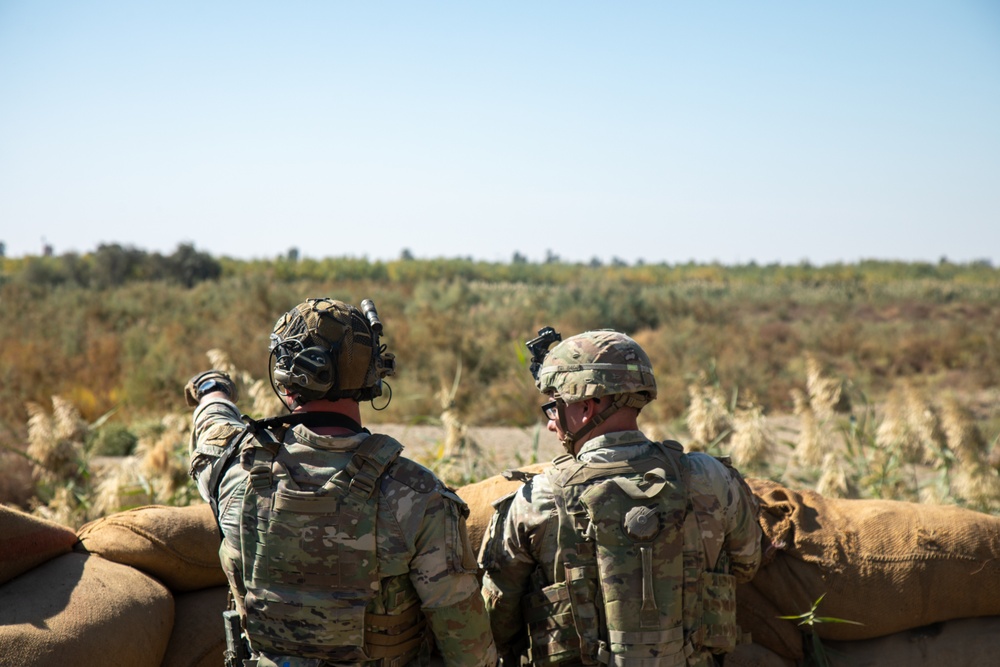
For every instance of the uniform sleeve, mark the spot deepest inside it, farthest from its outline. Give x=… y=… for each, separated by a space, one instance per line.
x=216 y=425
x=216 y=430
x=509 y=563
x=722 y=494
x=743 y=532
x=443 y=572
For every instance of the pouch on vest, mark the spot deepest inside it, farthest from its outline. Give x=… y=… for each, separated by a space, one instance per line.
x=552 y=635
x=492 y=545
x=640 y=561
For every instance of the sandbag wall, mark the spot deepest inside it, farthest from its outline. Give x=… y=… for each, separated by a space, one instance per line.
x=136 y=589
x=144 y=587
x=888 y=566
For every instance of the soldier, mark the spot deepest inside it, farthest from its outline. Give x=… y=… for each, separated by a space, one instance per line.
x=626 y=551
x=338 y=550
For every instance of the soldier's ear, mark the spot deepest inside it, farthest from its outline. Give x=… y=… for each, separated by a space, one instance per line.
x=591 y=408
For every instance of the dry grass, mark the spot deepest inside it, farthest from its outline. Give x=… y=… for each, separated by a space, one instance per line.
x=709 y=419
x=58 y=463
x=811 y=447
x=834 y=478
x=910 y=427
x=826 y=394
x=908 y=448
x=753 y=441
x=961 y=434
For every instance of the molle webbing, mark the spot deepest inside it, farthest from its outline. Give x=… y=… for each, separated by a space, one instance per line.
x=549 y=616
x=310 y=560
x=259 y=459
x=641 y=657
x=374 y=455
x=620 y=564
x=396 y=639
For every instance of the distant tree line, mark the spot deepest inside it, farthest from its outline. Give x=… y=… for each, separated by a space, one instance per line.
x=113 y=265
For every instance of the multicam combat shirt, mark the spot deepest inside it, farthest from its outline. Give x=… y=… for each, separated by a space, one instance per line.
x=419 y=528
x=528 y=536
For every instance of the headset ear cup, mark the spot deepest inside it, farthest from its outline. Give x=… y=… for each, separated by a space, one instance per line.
x=281 y=372
x=314 y=367
x=309 y=373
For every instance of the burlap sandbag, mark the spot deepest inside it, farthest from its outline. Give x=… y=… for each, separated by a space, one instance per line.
x=480 y=496
x=889 y=565
x=27 y=541
x=198 y=639
x=84 y=611
x=755 y=655
x=969 y=642
x=177 y=545
x=757 y=615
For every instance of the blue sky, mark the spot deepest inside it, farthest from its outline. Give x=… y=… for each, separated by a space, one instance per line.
x=661 y=131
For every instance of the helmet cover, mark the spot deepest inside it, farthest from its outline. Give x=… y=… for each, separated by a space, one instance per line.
x=595 y=364
x=325 y=348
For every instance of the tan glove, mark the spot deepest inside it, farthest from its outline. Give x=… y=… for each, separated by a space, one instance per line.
x=207 y=382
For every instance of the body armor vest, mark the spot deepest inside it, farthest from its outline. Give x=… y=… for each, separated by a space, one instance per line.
x=631 y=583
x=310 y=566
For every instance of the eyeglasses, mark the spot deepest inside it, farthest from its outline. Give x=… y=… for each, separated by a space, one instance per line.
x=550 y=409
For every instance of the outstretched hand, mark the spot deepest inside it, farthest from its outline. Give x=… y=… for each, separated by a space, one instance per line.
x=207 y=382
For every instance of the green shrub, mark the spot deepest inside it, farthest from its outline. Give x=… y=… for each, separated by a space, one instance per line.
x=111 y=439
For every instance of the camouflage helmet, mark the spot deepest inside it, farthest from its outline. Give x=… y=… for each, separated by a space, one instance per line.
x=325 y=348
x=595 y=364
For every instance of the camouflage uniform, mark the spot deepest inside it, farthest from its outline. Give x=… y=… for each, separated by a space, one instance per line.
x=422 y=553
x=522 y=559
x=626 y=553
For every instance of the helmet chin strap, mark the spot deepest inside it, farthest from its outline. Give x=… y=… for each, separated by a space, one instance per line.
x=570 y=439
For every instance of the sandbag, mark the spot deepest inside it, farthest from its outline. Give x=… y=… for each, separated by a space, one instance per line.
x=969 y=642
x=198 y=639
x=177 y=545
x=480 y=496
x=888 y=565
x=27 y=541
x=757 y=615
x=755 y=655
x=84 y=611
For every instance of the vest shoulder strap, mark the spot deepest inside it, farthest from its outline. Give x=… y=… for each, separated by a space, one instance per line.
x=373 y=457
x=573 y=472
x=257 y=455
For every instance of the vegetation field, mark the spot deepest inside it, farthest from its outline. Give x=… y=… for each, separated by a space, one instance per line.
x=875 y=379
